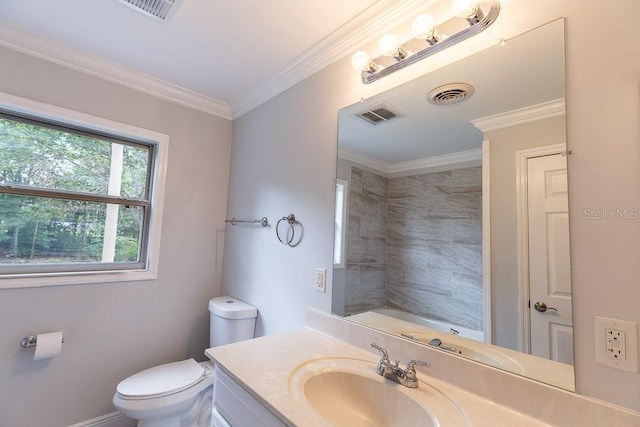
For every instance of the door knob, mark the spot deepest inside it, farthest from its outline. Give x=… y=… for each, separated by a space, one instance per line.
x=542 y=307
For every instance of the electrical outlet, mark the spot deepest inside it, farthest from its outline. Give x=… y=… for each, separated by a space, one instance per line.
x=320 y=283
x=616 y=346
x=616 y=343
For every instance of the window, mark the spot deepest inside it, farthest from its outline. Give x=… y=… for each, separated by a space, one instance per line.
x=79 y=197
x=341 y=223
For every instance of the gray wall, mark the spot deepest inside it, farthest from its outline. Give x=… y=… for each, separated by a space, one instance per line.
x=112 y=330
x=283 y=161
x=504 y=143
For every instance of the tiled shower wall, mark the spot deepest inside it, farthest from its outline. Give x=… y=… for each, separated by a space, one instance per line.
x=366 y=242
x=415 y=243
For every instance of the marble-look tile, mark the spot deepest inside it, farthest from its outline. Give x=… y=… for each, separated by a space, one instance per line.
x=408 y=208
x=455 y=258
x=366 y=250
x=455 y=311
x=406 y=299
x=397 y=188
x=395 y=274
x=429 y=184
x=369 y=283
x=359 y=306
x=431 y=230
x=373 y=227
x=374 y=185
x=353 y=228
x=407 y=255
x=396 y=231
x=467 y=287
x=468 y=180
x=356 y=180
x=365 y=205
x=353 y=275
x=467 y=231
x=427 y=231
x=455 y=206
x=375 y=277
x=435 y=281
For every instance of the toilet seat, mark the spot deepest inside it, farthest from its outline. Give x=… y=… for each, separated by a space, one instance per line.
x=162 y=380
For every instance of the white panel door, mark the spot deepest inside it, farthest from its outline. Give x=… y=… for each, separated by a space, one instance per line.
x=549 y=262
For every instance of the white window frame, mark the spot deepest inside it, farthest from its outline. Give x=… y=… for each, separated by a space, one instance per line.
x=76 y=119
x=340 y=236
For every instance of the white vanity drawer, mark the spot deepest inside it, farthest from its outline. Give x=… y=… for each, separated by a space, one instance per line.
x=237 y=407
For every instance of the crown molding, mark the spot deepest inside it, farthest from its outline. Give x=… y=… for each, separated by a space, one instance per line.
x=462 y=159
x=533 y=113
x=106 y=70
x=380 y=17
x=363 y=160
x=459 y=160
x=356 y=33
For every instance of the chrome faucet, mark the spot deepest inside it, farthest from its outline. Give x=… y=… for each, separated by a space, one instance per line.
x=406 y=377
x=437 y=342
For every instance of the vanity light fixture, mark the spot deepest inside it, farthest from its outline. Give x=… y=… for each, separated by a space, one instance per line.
x=469 y=18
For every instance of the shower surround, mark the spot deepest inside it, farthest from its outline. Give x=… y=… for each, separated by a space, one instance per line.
x=415 y=243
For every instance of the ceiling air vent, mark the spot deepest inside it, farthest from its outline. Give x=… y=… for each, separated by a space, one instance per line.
x=450 y=93
x=379 y=113
x=160 y=10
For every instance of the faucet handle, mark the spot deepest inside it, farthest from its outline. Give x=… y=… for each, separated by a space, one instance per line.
x=412 y=363
x=410 y=372
x=385 y=355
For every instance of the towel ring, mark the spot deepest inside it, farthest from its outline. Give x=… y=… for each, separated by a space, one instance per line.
x=291 y=219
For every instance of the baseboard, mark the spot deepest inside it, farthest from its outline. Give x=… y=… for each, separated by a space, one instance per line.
x=114 y=419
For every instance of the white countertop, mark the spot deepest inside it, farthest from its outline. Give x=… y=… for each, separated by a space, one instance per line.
x=264 y=368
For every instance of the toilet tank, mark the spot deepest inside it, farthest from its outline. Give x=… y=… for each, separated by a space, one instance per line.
x=232 y=320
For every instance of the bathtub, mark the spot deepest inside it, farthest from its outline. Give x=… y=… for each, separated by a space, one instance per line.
x=438 y=325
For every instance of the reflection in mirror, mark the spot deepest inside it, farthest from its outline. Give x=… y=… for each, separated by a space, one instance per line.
x=452 y=224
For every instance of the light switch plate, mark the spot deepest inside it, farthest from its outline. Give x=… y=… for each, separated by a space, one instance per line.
x=616 y=343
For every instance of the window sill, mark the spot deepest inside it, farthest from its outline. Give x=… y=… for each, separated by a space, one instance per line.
x=65 y=279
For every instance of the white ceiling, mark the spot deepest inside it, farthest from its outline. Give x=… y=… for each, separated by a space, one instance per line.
x=221 y=50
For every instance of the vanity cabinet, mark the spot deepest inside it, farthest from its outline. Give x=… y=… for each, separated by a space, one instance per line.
x=233 y=406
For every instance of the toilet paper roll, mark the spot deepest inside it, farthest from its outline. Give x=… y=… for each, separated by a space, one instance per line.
x=48 y=345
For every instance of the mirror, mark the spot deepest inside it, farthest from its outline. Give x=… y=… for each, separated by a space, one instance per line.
x=452 y=215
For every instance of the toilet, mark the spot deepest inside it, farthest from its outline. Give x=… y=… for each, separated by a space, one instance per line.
x=179 y=394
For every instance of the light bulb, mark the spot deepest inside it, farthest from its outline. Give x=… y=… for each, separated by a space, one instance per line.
x=388 y=45
x=464 y=8
x=424 y=28
x=467 y=9
x=360 y=61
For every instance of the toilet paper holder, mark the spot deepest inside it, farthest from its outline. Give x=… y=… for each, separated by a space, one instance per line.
x=30 y=341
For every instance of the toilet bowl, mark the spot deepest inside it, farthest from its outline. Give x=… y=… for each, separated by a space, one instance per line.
x=179 y=394
x=174 y=394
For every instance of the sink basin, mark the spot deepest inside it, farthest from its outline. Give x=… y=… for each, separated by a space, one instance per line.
x=348 y=399
x=347 y=392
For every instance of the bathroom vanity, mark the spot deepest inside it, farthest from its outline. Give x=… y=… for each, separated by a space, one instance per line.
x=325 y=375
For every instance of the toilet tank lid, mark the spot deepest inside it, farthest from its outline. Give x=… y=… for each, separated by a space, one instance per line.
x=232 y=308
